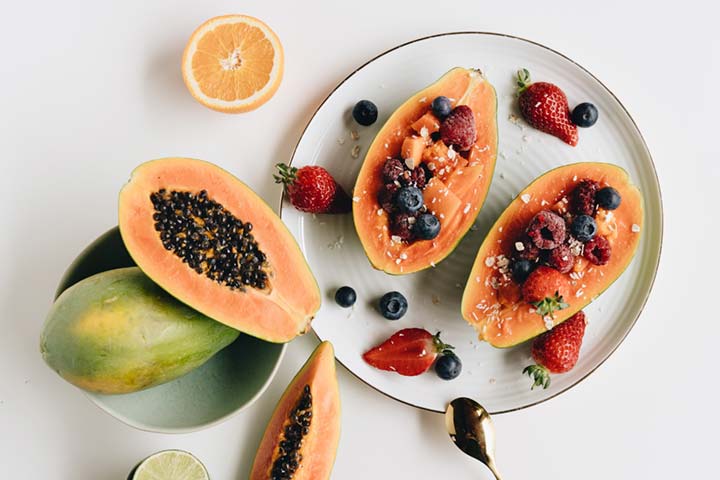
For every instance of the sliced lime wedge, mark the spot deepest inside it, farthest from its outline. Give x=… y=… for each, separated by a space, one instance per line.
x=170 y=465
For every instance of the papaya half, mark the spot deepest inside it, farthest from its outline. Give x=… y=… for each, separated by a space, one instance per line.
x=302 y=437
x=211 y=242
x=118 y=332
x=459 y=180
x=492 y=302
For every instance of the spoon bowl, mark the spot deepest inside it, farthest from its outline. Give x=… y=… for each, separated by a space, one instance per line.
x=471 y=429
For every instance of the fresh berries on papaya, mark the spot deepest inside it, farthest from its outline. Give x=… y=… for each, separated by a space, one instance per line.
x=458 y=129
x=545 y=288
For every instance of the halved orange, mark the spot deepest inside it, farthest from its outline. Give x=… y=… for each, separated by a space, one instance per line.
x=233 y=63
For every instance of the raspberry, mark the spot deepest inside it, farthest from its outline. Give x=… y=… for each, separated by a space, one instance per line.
x=529 y=250
x=582 y=201
x=392 y=170
x=418 y=177
x=547 y=230
x=561 y=259
x=386 y=197
x=598 y=250
x=400 y=226
x=458 y=129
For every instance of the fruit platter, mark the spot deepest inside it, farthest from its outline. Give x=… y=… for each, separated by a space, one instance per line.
x=467 y=217
x=522 y=162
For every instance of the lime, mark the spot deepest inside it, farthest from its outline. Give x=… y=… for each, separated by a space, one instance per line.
x=170 y=465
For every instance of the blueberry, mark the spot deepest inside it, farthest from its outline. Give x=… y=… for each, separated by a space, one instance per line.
x=521 y=268
x=393 y=305
x=409 y=199
x=585 y=115
x=426 y=227
x=448 y=366
x=608 y=198
x=583 y=227
x=365 y=112
x=345 y=297
x=441 y=107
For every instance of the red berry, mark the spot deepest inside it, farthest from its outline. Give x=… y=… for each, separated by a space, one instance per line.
x=392 y=170
x=458 y=129
x=528 y=252
x=544 y=282
x=409 y=352
x=547 y=230
x=545 y=107
x=418 y=177
x=582 y=201
x=401 y=226
x=598 y=250
x=561 y=259
x=312 y=189
x=558 y=350
x=386 y=197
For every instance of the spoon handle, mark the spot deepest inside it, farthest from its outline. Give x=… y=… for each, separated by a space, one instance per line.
x=491 y=465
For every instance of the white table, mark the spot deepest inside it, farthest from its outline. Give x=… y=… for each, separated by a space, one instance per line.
x=89 y=90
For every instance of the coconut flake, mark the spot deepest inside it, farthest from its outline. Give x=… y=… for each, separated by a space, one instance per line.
x=635 y=228
x=525 y=197
x=519 y=246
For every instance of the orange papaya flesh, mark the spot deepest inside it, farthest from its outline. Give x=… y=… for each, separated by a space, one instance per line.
x=485 y=304
x=314 y=390
x=463 y=87
x=276 y=309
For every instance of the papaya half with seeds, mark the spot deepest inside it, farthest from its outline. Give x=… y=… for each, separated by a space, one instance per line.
x=302 y=436
x=502 y=317
x=118 y=332
x=211 y=242
x=459 y=183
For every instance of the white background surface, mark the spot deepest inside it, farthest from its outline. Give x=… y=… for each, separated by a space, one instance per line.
x=88 y=91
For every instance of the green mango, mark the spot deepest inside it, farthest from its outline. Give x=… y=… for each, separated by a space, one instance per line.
x=118 y=332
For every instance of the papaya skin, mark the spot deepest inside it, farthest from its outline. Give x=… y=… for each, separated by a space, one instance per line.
x=469 y=187
x=508 y=324
x=276 y=314
x=118 y=332
x=319 y=446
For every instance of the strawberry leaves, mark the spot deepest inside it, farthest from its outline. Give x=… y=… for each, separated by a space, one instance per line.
x=539 y=374
x=549 y=305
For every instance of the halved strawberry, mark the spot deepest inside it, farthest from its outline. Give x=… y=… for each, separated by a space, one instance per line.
x=409 y=352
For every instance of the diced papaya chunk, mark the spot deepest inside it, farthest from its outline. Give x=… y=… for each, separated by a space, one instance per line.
x=412 y=150
x=426 y=125
x=440 y=201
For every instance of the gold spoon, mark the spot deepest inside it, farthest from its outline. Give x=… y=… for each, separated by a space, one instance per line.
x=471 y=429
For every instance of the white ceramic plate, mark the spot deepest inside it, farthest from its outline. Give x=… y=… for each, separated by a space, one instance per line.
x=491 y=376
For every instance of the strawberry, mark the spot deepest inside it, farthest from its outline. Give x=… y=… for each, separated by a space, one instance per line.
x=312 y=189
x=544 y=288
x=557 y=351
x=409 y=352
x=545 y=107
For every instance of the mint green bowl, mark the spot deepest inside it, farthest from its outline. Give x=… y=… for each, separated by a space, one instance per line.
x=230 y=381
